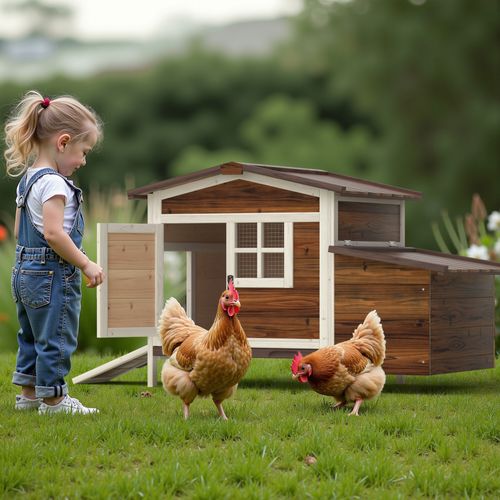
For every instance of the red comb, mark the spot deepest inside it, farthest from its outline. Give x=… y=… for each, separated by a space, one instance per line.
x=236 y=295
x=296 y=363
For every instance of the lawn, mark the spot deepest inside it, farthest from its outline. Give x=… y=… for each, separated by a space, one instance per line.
x=433 y=437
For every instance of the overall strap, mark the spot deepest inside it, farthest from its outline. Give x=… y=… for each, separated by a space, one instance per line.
x=25 y=187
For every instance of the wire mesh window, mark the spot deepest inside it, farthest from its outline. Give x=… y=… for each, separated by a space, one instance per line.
x=246 y=235
x=246 y=265
x=274 y=265
x=273 y=235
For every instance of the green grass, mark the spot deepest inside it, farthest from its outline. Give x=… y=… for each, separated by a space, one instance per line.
x=435 y=437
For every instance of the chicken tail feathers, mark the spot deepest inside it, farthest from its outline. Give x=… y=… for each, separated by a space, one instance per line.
x=370 y=339
x=174 y=326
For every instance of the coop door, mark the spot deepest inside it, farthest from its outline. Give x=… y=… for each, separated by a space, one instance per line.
x=130 y=299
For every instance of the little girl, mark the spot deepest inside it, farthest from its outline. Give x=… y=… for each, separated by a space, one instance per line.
x=47 y=141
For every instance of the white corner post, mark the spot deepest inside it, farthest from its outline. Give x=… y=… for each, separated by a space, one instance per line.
x=326 y=294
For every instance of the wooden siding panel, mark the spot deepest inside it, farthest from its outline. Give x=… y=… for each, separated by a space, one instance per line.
x=403 y=308
x=368 y=221
x=365 y=271
x=288 y=312
x=463 y=322
x=405 y=301
x=131 y=280
x=127 y=313
x=240 y=196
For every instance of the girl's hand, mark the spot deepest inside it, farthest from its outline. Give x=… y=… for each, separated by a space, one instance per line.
x=94 y=274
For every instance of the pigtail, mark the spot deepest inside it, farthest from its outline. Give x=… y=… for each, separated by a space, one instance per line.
x=36 y=119
x=20 y=133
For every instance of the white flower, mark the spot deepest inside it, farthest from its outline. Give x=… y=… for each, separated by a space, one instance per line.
x=496 y=249
x=494 y=221
x=478 y=252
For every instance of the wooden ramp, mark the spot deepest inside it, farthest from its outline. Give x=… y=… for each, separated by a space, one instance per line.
x=115 y=367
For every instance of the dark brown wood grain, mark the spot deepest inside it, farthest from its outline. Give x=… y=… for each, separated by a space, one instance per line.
x=288 y=312
x=462 y=322
x=240 y=196
x=401 y=302
x=349 y=270
x=368 y=221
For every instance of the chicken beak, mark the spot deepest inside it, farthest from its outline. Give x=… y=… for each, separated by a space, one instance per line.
x=236 y=303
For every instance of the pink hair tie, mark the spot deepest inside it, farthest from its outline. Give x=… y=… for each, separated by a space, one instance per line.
x=45 y=102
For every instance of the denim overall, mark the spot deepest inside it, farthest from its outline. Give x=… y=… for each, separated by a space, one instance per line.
x=47 y=293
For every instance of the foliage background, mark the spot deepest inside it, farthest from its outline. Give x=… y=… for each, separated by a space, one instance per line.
x=398 y=91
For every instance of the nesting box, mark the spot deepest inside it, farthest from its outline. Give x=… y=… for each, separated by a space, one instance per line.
x=312 y=253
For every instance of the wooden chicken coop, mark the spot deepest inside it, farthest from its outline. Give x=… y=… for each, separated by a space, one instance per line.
x=312 y=253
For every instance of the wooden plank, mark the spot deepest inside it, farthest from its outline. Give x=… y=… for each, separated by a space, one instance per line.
x=134 y=251
x=351 y=270
x=462 y=312
x=462 y=285
x=114 y=368
x=408 y=301
x=289 y=326
x=279 y=301
x=462 y=349
x=240 y=196
x=126 y=313
x=131 y=284
x=368 y=221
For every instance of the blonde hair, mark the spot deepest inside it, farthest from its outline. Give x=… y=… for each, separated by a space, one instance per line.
x=35 y=119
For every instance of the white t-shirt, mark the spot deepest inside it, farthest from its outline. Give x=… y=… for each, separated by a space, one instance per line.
x=45 y=188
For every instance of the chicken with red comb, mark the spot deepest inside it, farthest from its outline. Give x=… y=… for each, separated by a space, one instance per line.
x=350 y=371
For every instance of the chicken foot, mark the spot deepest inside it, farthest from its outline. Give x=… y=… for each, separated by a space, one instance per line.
x=355 y=410
x=218 y=404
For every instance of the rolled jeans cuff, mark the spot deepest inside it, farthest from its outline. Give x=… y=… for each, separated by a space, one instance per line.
x=51 y=392
x=23 y=379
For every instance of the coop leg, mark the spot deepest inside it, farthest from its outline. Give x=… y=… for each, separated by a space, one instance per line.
x=152 y=370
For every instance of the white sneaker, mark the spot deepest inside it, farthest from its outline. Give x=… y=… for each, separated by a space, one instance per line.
x=67 y=405
x=24 y=403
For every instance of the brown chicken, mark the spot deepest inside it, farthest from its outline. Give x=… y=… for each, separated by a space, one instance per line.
x=202 y=362
x=350 y=370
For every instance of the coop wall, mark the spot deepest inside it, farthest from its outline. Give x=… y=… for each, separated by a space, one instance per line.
x=369 y=222
x=401 y=297
x=288 y=312
x=462 y=322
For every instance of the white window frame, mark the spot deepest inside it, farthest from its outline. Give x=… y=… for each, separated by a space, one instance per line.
x=259 y=282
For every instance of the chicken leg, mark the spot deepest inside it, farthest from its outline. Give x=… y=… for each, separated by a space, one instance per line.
x=185 y=407
x=218 y=404
x=355 y=410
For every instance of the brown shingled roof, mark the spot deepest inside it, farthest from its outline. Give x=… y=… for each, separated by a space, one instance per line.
x=422 y=259
x=349 y=186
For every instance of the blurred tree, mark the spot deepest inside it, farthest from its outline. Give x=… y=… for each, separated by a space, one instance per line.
x=285 y=131
x=427 y=74
x=41 y=18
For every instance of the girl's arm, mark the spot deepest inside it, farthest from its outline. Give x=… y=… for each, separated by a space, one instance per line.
x=62 y=244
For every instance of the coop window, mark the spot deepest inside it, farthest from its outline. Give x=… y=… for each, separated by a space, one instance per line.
x=261 y=253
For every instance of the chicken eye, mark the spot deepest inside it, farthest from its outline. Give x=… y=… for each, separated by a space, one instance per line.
x=227 y=297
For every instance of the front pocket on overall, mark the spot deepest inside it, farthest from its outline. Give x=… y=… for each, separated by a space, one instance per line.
x=35 y=287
